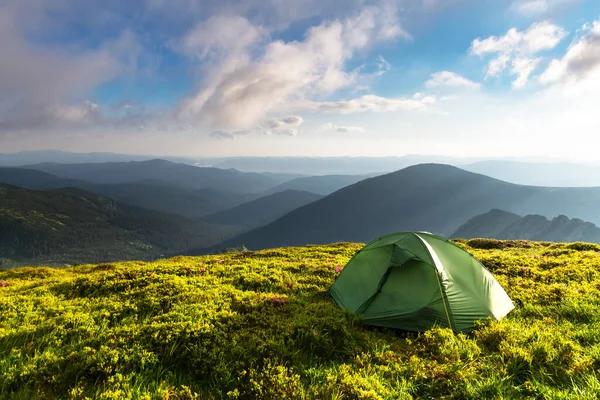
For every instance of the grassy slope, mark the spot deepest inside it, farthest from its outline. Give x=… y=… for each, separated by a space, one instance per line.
x=260 y=325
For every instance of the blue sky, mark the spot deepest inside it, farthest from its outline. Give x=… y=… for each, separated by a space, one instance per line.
x=303 y=77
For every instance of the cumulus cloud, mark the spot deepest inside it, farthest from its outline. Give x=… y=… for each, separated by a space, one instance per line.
x=516 y=48
x=450 y=79
x=330 y=127
x=41 y=85
x=286 y=126
x=523 y=67
x=581 y=60
x=538 y=37
x=244 y=84
x=292 y=121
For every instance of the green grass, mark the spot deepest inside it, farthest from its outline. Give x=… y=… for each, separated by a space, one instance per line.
x=260 y=325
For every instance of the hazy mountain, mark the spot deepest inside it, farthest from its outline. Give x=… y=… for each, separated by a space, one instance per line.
x=263 y=210
x=323 y=185
x=491 y=224
x=63 y=157
x=34 y=179
x=147 y=194
x=346 y=165
x=182 y=175
x=431 y=197
x=315 y=166
x=72 y=225
x=539 y=174
x=498 y=224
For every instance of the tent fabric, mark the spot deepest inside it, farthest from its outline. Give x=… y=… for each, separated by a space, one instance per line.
x=416 y=280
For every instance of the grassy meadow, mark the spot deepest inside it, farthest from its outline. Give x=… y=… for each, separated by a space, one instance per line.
x=259 y=325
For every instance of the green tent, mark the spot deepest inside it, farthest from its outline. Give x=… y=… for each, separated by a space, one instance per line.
x=415 y=280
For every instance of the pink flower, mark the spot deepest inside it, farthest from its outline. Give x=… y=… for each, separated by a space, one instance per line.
x=149 y=273
x=338 y=269
x=277 y=300
x=4 y=284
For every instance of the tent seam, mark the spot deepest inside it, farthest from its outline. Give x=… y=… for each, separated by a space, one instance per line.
x=442 y=289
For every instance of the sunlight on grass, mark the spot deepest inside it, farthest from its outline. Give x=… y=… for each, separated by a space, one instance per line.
x=260 y=325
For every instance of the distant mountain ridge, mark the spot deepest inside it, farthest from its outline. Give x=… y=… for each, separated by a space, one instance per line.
x=264 y=209
x=182 y=175
x=153 y=195
x=539 y=174
x=498 y=224
x=433 y=197
x=64 y=157
x=322 y=185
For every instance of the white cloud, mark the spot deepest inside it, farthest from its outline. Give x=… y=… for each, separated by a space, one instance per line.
x=284 y=132
x=517 y=48
x=581 y=60
x=292 y=121
x=368 y=103
x=523 y=67
x=286 y=126
x=533 y=8
x=219 y=35
x=242 y=87
x=330 y=127
x=41 y=85
x=382 y=66
x=228 y=135
x=494 y=44
x=497 y=65
x=50 y=116
x=450 y=79
x=424 y=98
x=538 y=37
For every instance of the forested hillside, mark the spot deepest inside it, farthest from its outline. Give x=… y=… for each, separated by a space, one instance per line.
x=71 y=225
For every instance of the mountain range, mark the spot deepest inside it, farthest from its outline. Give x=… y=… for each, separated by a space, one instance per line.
x=431 y=197
x=323 y=184
x=264 y=209
x=64 y=157
x=173 y=174
x=206 y=209
x=150 y=194
x=498 y=224
x=535 y=171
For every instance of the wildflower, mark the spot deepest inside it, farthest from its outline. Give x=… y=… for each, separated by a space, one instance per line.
x=4 y=284
x=277 y=300
x=338 y=269
x=523 y=269
x=149 y=273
